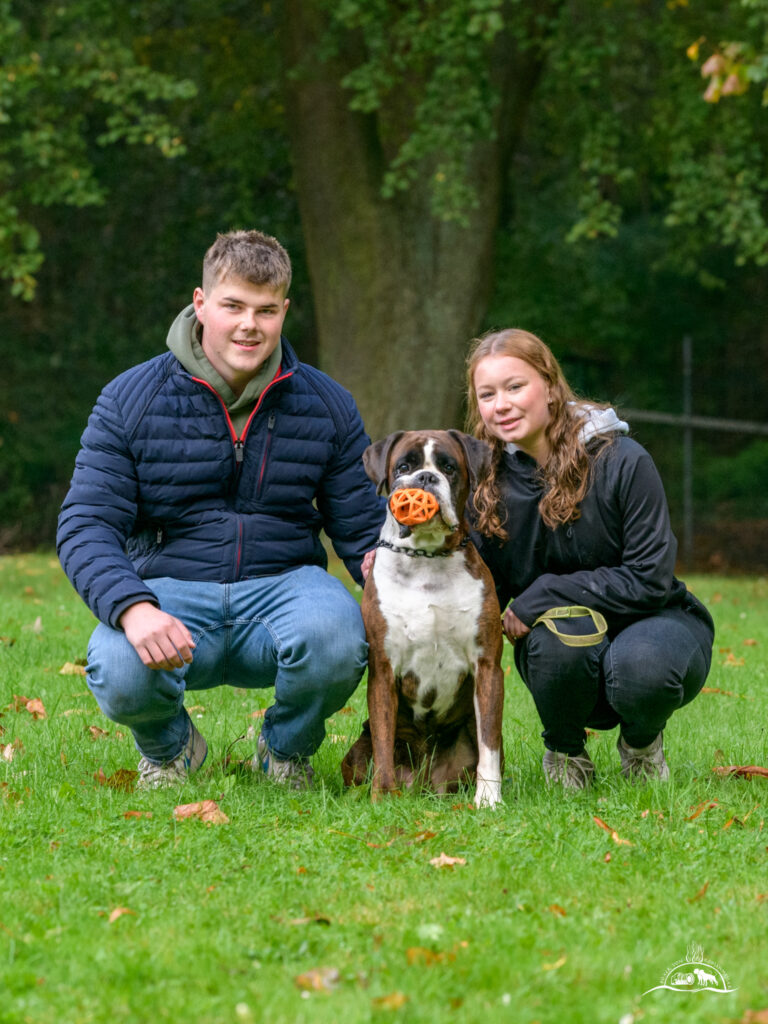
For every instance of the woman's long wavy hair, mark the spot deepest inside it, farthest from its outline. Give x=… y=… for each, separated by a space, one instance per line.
x=565 y=475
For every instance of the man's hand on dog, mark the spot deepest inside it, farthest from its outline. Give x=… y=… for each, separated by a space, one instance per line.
x=160 y=640
x=513 y=628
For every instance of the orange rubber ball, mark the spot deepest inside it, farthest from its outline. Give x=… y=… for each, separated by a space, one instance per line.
x=411 y=506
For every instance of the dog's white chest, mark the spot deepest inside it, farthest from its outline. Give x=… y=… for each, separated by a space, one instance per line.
x=431 y=610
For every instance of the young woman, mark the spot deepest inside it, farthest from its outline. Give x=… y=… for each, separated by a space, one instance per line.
x=573 y=523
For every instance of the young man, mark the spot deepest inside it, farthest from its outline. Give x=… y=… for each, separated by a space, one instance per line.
x=192 y=525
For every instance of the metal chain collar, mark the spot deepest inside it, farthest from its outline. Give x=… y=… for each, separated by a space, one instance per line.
x=420 y=552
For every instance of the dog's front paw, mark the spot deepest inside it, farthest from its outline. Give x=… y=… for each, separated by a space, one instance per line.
x=488 y=794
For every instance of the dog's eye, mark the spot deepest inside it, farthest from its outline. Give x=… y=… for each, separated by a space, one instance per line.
x=402 y=467
x=448 y=467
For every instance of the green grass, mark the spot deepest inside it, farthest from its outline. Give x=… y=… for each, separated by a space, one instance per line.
x=549 y=919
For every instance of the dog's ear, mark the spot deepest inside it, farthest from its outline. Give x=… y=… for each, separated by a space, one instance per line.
x=376 y=461
x=478 y=455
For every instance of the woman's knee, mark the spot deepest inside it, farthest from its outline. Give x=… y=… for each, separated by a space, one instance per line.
x=544 y=660
x=654 y=663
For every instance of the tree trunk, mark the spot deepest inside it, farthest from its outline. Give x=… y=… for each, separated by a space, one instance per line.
x=397 y=293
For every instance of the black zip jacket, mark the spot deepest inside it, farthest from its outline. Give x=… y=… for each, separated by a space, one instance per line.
x=617 y=558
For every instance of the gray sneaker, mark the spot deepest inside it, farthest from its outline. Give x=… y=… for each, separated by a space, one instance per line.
x=572 y=771
x=158 y=776
x=643 y=762
x=296 y=772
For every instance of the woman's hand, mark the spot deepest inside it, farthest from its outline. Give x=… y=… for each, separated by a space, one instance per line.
x=367 y=565
x=513 y=628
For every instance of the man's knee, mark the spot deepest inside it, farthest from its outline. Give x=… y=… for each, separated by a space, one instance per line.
x=125 y=689
x=331 y=640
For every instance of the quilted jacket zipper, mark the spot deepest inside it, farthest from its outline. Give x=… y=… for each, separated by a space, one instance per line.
x=265 y=455
x=238 y=444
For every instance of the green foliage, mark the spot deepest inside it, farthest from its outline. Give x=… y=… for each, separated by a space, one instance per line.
x=620 y=100
x=640 y=138
x=426 y=73
x=729 y=484
x=69 y=77
x=658 y=191
x=734 y=66
x=117 y=273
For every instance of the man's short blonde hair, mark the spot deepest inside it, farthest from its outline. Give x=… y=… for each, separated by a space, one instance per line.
x=250 y=255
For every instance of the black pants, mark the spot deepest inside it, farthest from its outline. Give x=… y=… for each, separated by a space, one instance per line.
x=635 y=678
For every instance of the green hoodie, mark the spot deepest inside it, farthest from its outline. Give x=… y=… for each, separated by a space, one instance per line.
x=184 y=341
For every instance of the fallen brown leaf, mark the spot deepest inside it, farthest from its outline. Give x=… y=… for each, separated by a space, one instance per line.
x=705 y=805
x=119 y=912
x=556 y=965
x=9 y=794
x=31 y=704
x=428 y=957
x=555 y=908
x=137 y=814
x=399 y=833
x=444 y=861
x=319 y=979
x=700 y=894
x=72 y=668
x=421 y=837
x=9 y=750
x=612 y=832
x=36 y=709
x=755 y=1017
x=392 y=1001
x=732 y=661
x=123 y=779
x=745 y=771
x=749 y=642
x=206 y=810
x=96 y=733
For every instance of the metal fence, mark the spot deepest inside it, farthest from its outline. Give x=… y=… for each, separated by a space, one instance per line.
x=689 y=422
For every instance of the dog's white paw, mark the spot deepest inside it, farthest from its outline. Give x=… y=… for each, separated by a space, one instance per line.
x=488 y=794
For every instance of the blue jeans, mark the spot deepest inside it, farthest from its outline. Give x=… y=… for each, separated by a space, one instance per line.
x=301 y=632
x=634 y=678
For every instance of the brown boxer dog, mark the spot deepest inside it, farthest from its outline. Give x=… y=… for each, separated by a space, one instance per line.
x=433 y=624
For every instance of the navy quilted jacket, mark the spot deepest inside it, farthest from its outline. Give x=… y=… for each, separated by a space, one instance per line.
x=163 y=486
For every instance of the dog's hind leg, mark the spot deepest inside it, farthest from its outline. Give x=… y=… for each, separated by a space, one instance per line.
x=455 y=765
x=355 y=768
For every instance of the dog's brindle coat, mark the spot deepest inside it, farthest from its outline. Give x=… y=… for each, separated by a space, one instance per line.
x=433 y=624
